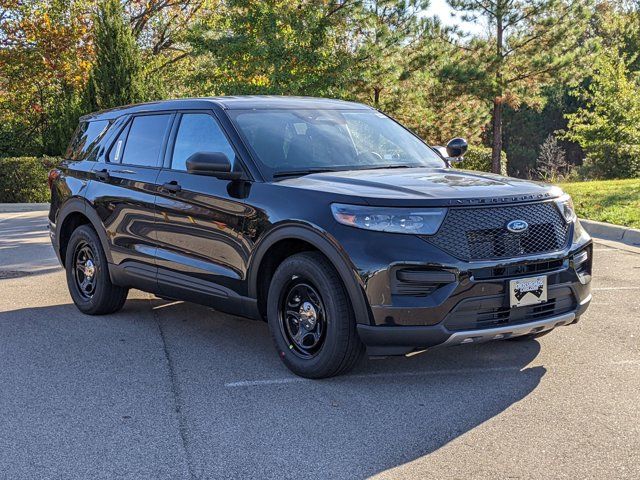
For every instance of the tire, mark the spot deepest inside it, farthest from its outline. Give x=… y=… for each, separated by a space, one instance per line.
x=307 y=286
x=88 y=275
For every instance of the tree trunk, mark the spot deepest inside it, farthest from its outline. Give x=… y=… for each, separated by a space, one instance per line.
x=376 y=96
x=496 y=149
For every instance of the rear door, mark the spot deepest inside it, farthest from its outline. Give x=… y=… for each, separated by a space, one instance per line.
x=123 y=191
x=201 y=252
x=79 y=161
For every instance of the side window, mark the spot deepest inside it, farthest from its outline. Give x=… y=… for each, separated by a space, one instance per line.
x=198 y=132
x=87 y=135
x=115 y=154
x=140 y=143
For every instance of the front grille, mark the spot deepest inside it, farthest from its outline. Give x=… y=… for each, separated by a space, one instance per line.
x=488 y=312
x=480 y=233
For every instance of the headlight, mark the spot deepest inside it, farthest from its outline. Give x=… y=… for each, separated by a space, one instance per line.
x=565 y=205
x=420 y=221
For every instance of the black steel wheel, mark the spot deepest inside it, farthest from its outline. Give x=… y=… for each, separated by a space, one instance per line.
x=88 y=276
x=302 y=318
x=84 y=269
x=311 y=319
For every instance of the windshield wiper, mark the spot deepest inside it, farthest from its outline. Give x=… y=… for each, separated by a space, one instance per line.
x=382 y=167
x=309 y=171
x=297 y=173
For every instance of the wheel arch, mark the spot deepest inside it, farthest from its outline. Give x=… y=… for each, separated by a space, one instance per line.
x=303 y=235
x=75 y=212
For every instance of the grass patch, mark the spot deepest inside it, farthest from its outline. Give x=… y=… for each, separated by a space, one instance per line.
x=611 y=201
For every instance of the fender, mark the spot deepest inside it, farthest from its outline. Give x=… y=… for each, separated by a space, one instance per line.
x=326 y=244
x=80 y=205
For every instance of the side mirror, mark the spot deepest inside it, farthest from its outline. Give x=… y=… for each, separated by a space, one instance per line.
x=213 y=164
x=456 y=148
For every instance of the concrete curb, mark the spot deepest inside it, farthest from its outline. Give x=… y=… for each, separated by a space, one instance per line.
x=23 y=207
x=616 y=233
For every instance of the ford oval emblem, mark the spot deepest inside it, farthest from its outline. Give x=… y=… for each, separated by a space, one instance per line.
x=517 y=226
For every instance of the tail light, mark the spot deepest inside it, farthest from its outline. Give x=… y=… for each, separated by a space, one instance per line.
x=53 y=176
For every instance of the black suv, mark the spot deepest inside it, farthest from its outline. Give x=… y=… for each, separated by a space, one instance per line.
x=325 y=218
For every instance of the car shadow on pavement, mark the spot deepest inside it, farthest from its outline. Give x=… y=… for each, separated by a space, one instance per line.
x=240 y=412
x=383 y=414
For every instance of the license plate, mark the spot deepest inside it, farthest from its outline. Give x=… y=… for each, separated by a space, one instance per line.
x=527 y=291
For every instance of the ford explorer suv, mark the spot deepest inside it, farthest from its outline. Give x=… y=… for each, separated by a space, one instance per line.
x=327 y=219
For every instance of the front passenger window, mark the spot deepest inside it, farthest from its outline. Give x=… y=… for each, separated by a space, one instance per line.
x=199 y=132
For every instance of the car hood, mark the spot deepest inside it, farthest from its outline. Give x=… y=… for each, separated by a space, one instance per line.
x=425 y=185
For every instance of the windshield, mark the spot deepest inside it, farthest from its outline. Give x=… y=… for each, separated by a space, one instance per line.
x=290 y=142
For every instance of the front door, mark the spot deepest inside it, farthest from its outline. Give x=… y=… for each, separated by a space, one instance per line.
x=201 y=255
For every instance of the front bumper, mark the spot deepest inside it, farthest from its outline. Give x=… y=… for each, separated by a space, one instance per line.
x=472 y=303
x=381 y=340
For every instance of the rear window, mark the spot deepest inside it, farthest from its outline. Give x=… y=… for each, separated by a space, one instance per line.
x=143 y=141
x=87 y=136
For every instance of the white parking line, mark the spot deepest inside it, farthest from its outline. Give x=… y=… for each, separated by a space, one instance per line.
x=460 y=371
x=177 y=302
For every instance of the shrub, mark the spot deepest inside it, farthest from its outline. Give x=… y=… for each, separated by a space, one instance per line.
x=479 y=158
x=24 y=179
x=552 y=165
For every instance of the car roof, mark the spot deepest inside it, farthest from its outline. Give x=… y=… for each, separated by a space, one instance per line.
x=246 y=102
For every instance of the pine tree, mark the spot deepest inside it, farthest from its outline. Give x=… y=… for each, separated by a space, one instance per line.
x=388 y=38
x=117 y=77
x=530 y=42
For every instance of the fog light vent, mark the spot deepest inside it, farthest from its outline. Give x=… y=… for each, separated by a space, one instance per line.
x=420 y=282
x=580 y=258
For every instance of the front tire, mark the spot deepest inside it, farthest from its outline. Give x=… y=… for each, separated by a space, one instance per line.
x=88 y=275
x=311 y=319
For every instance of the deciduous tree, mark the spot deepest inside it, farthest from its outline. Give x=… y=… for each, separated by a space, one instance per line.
x=273 y=46
x=608 y=127
x=44 y=52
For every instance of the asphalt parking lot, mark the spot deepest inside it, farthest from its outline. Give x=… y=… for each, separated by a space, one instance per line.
x=174 y=390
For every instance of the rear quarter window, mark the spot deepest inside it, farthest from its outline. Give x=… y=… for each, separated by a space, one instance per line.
x=85 y=138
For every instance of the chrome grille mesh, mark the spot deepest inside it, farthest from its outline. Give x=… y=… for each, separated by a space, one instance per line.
x=480 y=233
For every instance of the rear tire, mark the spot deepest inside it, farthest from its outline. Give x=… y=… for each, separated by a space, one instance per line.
x=88 y=275
x=311 y=319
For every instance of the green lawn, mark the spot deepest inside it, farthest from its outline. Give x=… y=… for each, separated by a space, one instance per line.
x=611 y=201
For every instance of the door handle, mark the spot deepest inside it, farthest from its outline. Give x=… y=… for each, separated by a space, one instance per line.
x=171 y=187
x=102 y=175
